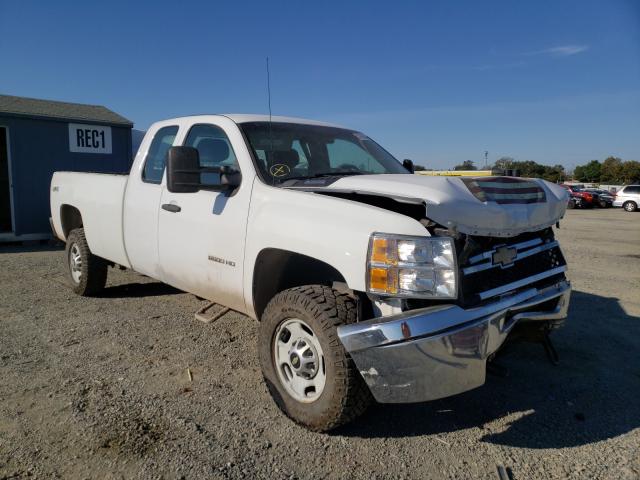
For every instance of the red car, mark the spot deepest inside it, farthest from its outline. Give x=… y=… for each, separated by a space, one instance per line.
x=579 y=198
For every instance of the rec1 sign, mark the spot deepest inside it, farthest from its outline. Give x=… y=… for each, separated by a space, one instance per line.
x=89 y=138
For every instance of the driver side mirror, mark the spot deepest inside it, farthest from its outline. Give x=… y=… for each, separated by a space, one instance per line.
x=408 y=164
x=184 y=173
x=183 y=170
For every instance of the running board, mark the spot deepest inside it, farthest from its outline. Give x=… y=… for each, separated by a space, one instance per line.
x=201 y=315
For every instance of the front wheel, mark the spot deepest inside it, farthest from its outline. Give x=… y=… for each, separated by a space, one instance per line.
x=87 y=272
x=307 y=370
x=630 y=206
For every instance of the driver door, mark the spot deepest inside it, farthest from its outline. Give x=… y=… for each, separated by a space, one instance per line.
x=202 y=234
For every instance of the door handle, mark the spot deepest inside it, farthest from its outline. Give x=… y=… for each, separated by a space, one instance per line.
x=171 y=207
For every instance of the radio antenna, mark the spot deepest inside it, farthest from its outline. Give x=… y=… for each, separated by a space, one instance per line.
x=270 y=153
x=269 y=89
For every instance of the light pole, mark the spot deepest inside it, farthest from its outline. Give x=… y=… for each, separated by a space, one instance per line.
x=486 y=164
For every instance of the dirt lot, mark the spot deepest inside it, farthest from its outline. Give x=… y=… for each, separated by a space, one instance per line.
x=98 y=388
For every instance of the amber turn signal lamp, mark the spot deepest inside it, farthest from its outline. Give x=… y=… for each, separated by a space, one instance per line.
x=380 y=251
x=383 y=280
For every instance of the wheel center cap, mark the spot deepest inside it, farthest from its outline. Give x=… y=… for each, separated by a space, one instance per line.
x=295 y=360
x=303 y=358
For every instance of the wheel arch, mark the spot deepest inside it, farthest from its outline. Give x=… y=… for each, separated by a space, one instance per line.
x=276 y=270
x=70 y=219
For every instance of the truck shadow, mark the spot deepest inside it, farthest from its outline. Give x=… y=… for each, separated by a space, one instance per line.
x=31 y=247
x=138 y=290
x=591 y=396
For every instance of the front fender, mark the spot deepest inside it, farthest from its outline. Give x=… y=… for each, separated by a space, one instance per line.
x=332 y=230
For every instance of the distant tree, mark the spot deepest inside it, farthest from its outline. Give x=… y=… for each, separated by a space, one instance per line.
x=555 y=174
x=630 y=172
x=529 y=168
x=611 y=170
x=419 y=168
x=466 y=165
x=504 y=163
x=588 y=173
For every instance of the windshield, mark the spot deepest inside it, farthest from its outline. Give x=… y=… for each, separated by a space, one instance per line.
x=289 y=153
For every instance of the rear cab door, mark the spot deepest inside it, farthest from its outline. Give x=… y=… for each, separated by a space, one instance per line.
x=142 y=197
x=201 y=236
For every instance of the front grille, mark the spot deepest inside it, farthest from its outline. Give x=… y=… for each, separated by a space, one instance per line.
x=538 y=260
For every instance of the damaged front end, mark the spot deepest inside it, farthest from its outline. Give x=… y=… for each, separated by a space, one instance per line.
x=439 y=351
x=434 y=350
x=511 y=278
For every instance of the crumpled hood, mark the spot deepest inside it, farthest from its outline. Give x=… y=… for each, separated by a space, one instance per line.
x=466 y=205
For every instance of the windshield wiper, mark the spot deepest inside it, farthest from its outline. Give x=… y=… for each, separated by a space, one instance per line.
x=324 y=175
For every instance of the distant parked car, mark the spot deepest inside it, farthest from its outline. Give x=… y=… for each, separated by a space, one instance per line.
x=573 y=202
x=579 y=198
x=628 y=197
x=605 y=198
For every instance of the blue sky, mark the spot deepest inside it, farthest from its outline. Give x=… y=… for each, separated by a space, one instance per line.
x=438 y=82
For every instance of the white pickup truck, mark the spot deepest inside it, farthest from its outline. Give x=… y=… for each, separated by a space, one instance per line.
x=368 y=282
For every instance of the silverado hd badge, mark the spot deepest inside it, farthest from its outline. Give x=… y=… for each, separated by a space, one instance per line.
x=222 y=261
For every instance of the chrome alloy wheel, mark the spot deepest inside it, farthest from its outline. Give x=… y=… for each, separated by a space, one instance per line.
x=299 y=360
x=75 y=262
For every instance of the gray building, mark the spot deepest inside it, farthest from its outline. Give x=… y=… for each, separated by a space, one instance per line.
x=39 y=137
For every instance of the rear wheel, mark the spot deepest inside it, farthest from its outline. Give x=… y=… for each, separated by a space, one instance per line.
x=307 y=370
x=87 y=272
x=630 y=206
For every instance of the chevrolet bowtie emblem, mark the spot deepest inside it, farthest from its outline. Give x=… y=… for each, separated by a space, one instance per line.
x=504 y=256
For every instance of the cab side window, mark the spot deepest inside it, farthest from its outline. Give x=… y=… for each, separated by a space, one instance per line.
x=157 y=156
x=214 y=150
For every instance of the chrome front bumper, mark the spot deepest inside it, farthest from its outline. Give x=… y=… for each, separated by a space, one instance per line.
x=440 y=351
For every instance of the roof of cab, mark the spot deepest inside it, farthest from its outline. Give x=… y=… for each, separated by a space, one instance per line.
x=247 y=117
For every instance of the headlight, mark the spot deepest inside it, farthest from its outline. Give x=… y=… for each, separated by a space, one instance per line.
x=418 y=267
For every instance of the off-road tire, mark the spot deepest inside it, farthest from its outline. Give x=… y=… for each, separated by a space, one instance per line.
x=630 y=206
x=345 y=395
x=571 y=204
x=93 y=271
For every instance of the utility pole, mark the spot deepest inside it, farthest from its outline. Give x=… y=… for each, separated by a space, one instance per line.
x=486 y=164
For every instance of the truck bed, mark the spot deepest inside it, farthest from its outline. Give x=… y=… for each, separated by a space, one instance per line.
x=99 y=197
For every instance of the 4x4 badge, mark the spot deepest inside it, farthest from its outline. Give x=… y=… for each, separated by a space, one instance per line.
x=504 y=256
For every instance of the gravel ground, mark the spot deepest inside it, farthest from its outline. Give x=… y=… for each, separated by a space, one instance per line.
x=98 y=388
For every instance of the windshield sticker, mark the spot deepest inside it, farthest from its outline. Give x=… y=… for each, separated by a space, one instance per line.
x=279 y=170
